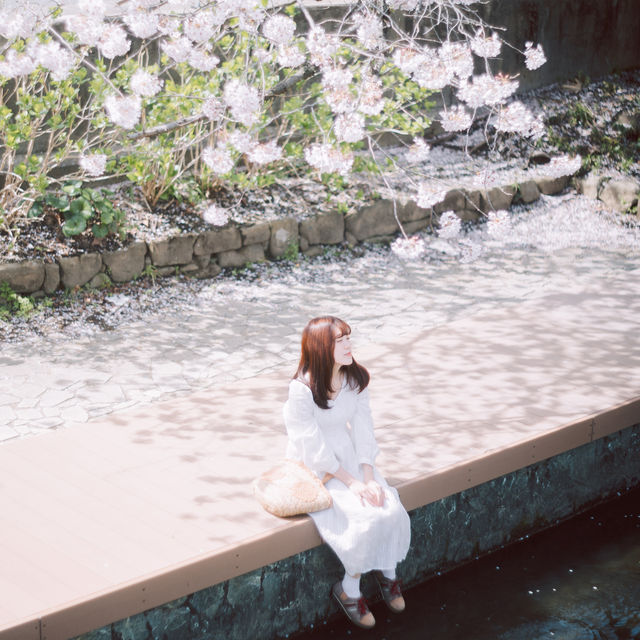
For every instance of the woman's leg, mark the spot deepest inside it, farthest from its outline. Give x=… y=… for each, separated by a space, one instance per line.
x=390 y=589
x=347 y=594
x=351 y=585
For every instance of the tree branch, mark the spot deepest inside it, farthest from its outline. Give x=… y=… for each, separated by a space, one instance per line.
x=278 y=89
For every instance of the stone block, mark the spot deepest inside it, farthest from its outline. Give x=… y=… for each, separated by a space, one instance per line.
x=528 y=191
x=189 y=268
x=51 y=277
x=78 y=270
x=350 y=239
x=416 y=225
x=373 y=220
x=303 y=244
x=255 y=233
x=126 y=264
x=621 y=194
x=589 y=186
x=454 y=200
x=411 y=211
x=177 y=250
x=327 y=228
x=497 y=199
x=239 y=258
x=99 y=281
x=551 y=186
x=469 y=215
x=23 y=277
x=208 y=271
x=284 y=234
x=217 y=241
x=314 y=252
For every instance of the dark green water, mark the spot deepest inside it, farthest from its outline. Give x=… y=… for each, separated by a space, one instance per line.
x=577 y=581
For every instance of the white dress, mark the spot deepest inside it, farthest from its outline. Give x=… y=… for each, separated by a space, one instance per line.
x=363 y=537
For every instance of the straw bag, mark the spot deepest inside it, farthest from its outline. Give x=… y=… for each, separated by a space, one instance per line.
x=290 y=489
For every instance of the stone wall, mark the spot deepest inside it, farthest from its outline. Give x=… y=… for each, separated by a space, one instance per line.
x=205 y=254
x=292 y=595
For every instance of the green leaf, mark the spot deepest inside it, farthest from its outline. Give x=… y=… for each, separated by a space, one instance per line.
x=99 y=231
x=36 y=210
x=72 y=188
x=61 y=204
x=73 y=226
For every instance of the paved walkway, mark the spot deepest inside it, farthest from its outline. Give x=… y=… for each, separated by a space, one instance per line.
x=142 y=493
x=237 y=330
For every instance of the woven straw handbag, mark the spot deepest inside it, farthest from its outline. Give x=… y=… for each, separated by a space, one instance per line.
x=289 y=489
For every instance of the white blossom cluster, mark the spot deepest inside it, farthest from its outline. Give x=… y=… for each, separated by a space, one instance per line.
x=218 y=159
x=430 y=194
x=369 y=30
x=534 y=56
x=241 y=141
x=516 y=118
x=328 y=159
x=279 y=29
x=486 y=47
x=418 y=151
x=450 y=225
x=213 y=108
x=243 y=102
x=409 y=248
x=145 y=84
x=321 y=46
x=349 y=127
x=488 y=90
x=265 y=153
x=93 y=165
x=456 y=118
x=123 y=111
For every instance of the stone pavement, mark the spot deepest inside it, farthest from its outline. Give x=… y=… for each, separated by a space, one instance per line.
x=234 y=330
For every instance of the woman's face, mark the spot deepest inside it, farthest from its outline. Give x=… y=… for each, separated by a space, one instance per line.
x=342 y=350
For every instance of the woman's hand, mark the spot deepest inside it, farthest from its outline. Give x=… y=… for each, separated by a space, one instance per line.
x=370 y=492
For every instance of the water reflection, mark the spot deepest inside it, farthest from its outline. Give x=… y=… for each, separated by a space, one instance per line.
x=577 y=581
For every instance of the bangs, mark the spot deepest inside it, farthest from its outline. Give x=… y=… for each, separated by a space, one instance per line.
x=341 y=328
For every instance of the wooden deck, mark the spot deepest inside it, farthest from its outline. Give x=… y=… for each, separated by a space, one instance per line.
x=112 y=518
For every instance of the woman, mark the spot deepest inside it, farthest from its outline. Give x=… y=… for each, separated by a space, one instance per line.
x=330 y=430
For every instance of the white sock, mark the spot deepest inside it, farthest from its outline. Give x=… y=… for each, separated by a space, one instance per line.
x=389 y=574
x=351 y=586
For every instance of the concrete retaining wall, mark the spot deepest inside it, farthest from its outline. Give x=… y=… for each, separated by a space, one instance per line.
x=291 y=595
x=592 y=38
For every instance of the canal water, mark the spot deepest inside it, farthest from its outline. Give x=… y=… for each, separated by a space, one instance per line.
x=579 y=580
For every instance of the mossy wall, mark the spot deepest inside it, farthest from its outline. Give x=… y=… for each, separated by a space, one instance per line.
x=292 y=595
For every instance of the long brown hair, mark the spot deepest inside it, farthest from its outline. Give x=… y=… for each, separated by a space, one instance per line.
x=316 y=359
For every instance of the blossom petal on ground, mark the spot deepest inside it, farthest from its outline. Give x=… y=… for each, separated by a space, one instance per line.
x=215 y=215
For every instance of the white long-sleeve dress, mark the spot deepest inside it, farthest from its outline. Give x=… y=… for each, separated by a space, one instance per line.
x=363 y=537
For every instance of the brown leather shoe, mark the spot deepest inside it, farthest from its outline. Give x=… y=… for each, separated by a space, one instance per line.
x=355 y=609
x=391 y=594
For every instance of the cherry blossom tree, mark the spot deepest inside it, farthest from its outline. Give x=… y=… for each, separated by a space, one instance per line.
x=234 y=90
